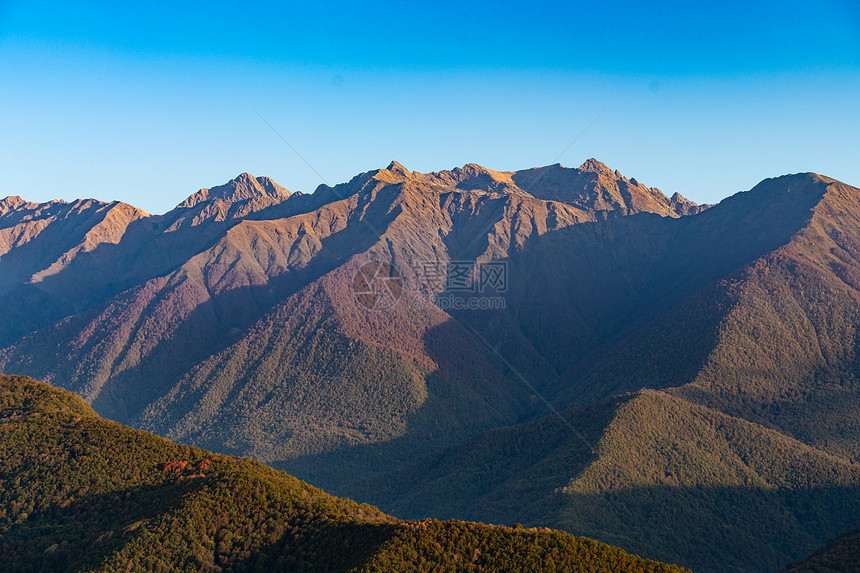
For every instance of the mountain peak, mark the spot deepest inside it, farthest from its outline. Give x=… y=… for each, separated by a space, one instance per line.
x=596 y=187
x=396 y=167
x=394 y=173
x=473 y=169
x=242 y=188
x=595 y=166
x=10 y=203
x=11 y=200
x=474 y=177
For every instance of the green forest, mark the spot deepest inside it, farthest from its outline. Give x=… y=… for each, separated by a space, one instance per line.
x=80 y=493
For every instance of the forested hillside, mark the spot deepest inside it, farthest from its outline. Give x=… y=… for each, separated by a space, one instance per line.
x=666 y=478
x=838 y=556
x=78 y=492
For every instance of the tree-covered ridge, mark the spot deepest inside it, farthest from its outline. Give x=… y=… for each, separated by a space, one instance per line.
x=80 y=493
x=720 y=493
x=666 y=478
x=19 y=396
x=841 y=555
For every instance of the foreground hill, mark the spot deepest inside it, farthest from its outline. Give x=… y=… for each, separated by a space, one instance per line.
x=78 y=492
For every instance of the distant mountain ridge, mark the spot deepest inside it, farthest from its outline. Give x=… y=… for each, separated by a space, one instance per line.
x=231 y=323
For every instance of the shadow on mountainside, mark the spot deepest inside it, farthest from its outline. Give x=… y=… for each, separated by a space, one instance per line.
x=713 y=529
x=81 y=534
x=635 y=301
x=482 y=478
x=95 y=530
x=649 y=306
x=337 y=547
x=466 y=395
x=91 y=278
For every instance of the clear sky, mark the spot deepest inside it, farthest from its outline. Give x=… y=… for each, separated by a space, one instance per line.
x=148 y=102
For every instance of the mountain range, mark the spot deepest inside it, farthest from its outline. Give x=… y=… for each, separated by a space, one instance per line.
x=675 y=379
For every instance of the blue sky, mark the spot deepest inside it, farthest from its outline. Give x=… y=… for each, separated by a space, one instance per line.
x=149 y=102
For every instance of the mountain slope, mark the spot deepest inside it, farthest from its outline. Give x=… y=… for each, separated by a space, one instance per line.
x=787 y=353
x=79 y=492
x=665 y=478
x=763 y=328
x=41 y=245
x=840 y=555
x=217 y=352
x=764 y=324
